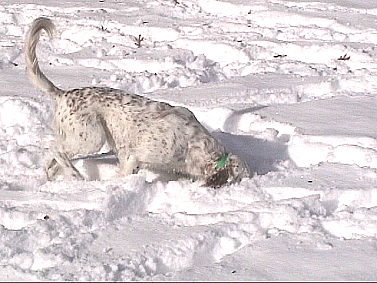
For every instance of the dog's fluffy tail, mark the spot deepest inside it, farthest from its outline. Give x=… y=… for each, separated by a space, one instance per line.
x=35 y=74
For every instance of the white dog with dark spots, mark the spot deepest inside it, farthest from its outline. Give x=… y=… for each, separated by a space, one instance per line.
x=142 y=132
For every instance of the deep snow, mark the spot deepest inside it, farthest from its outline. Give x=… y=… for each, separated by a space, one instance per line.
x=288 y=85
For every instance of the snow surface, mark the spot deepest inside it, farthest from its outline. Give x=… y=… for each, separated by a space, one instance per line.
x=290 y=86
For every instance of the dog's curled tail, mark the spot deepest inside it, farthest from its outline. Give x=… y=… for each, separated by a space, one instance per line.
x=35 y=74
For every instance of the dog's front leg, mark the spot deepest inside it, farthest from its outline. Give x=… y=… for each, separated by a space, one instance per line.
x=128 y=164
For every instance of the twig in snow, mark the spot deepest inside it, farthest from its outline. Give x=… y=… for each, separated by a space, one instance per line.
x=345 y=57
x=138 y=40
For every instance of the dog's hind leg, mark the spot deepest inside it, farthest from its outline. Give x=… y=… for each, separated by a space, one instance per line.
x=61 y=160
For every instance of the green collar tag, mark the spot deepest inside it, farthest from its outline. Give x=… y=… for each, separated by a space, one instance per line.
x=222 y=161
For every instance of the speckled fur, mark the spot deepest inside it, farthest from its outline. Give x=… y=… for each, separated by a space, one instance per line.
x=143 y=133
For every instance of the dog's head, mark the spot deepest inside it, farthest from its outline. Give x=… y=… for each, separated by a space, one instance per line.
x=229 y=168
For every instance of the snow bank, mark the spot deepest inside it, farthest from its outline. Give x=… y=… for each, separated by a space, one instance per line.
x=311 y=150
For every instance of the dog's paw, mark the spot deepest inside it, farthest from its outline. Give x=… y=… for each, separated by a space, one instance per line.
x=53 y=171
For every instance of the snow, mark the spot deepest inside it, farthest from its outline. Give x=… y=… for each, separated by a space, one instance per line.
x=289 y=86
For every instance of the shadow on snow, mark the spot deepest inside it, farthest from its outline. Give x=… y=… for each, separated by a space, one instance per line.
x=262 y=156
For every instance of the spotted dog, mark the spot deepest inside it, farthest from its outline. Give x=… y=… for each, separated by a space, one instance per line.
x=142 y=132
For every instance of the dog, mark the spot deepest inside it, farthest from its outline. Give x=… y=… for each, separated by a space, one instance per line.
x=143 y=133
